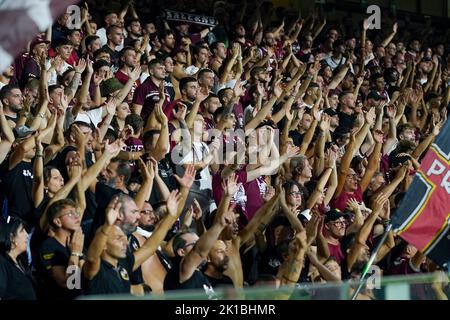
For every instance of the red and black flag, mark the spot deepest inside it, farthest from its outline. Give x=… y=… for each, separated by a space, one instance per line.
x=21 y=20
x=423 y=218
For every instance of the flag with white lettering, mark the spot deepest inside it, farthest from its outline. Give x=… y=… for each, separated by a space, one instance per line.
x=21 y=20
x=189 y=18
x=423 y=218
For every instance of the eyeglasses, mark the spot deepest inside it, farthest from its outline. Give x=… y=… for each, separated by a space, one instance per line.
x=339 y=223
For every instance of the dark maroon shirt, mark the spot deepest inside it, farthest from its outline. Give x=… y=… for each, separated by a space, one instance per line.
x=147 y=95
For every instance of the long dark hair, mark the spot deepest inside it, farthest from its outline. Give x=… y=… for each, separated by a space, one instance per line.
x=8 y=230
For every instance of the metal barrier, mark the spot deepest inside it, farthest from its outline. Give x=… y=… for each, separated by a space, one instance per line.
x=432 y=286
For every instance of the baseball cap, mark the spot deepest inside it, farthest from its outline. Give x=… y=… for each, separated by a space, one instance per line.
x=331 y=112
x=38 y=40
x=333 y=215
x=22 y=132
x=374 y=95
x=110 y=85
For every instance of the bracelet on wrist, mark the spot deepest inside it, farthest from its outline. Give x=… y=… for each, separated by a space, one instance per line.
x=76 y=254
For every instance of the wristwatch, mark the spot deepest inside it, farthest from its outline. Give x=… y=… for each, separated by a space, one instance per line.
x=77 y=254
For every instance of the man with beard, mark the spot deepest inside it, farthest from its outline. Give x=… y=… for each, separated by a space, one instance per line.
x=12 y=99
x=239 y=34
x=210 y=105
x=134 y=31
x=110 y=20
x=6 y=76
x=167 y=43
x=110 y=263
x=219 y=55
x=168 y=81
x=217 y=264
x=147 y=94
x=128 y=62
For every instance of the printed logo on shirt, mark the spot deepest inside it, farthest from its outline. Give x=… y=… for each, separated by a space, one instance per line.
x=274 y=263
x=27 y=173
x=134 y=245
x=48 y=256
x=124 y=274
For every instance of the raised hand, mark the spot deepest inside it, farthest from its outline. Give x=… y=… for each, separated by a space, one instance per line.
x=112 y=149
x=113 y=211
x=312 y=229
x=325 y=122
x=366 y=24
x=76 y=241
x=379 y=202
x=159 y=114
x=370 y=117
x=353 y=206
x=292 y=151
x=80 y=65
x=378 y=136
x=89 y=66
x=38 y=143
x=238 y=90
x=230 y=186
x=172 y=203
x=78 y=135
x=136 y=73
x=74 y=168
x=331 y=159
x=196 y=210
x=277 y=89
x=97 y=79
x=188 y=177
x=395 y=27
x=391 y=111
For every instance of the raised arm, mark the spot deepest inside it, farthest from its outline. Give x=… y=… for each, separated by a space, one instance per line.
x=363 y=233
x=390 y=36
x=230 y=64
x=92 y=265
x=151 y=245
x=201 y=249
x=147 y=171
x=247 y=233
x=38 y=173
x=345 y=165
x=374 y=161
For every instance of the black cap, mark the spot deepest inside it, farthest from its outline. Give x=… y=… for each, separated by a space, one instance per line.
x=22 y=132
x=331 y=112
x=374 y=95
x=333 y=215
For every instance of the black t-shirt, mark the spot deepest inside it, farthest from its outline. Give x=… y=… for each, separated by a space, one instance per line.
x=115 y=57
x=15 y=284
x=133 y=245
x=166 y=172
x=17 y=185
x=169 y=88
x=345 y=120
x=223 y=282
x=297 y=137
x=103 y=196
x=197 y=281
x=53 y=254
x=110 y=279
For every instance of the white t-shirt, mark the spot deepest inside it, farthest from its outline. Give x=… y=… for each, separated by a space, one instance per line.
x=201 y=150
